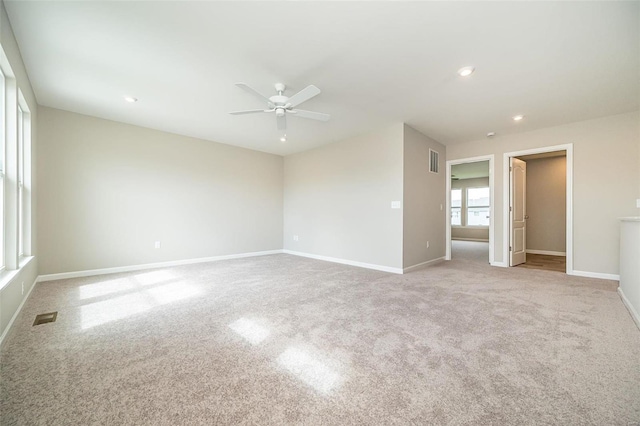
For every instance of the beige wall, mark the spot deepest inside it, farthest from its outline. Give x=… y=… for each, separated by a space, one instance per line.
x=469 y=232
x=110 y=190
x=605 y=187
x=424 y=198
x=546 y=204
x=11 y=295
x=338 y=199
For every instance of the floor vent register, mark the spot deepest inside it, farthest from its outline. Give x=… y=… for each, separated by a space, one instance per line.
x=45 y=318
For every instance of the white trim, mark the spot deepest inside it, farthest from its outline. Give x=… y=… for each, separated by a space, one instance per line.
x=15 y=315
x=630 y=308
x=505 y=200
x=422 y=265
x=492 y=228
x=547 y=252
x=499 y=264
x=7 y=276
x=600 y=275
x=346 y=262
x=478 y=240
x=89 y=273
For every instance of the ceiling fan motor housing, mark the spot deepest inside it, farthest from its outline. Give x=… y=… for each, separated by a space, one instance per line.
x=279 y=100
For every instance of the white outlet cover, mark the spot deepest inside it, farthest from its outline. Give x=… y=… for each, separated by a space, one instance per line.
x=638 y=203
x=396 y=204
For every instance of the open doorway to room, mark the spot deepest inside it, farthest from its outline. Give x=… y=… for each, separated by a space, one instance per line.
x=538 y=208
x=470 y=209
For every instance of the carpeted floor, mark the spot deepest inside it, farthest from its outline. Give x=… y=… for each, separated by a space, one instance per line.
x=282 y=339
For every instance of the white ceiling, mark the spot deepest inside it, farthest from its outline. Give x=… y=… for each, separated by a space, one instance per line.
x=377 y=63
x=477 y=169
x=543 y=155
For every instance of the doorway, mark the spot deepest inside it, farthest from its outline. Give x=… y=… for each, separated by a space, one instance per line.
x=538 y=208
x=470 y=209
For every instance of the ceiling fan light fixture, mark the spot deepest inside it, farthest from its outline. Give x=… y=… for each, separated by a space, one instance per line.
x=130 y=99
x=466 y=71
x=518 y=117
x=284 y=105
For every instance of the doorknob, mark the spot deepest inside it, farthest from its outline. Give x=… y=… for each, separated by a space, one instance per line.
x=526 y=216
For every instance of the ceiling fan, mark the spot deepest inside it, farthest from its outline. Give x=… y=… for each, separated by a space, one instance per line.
x=283 y=105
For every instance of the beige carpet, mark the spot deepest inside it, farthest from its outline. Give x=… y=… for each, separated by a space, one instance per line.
x=281 y=339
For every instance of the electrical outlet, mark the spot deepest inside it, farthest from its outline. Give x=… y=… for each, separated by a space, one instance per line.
x=22 y=287
x=158 y=245
x=396 y=204
x=295 y=238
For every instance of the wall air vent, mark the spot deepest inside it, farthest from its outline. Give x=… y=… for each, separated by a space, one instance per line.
x=45 y=318
x=434 y=164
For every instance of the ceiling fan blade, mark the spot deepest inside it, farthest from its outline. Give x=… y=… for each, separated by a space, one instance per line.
x=303 y=95
x=311 y=114
x=282 y=122
x=249 y=111
x=254 y=92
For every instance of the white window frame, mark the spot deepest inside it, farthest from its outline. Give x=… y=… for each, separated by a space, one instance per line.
x=3 y=120
x=15 y=175
x=23 y=198
x=461 y=208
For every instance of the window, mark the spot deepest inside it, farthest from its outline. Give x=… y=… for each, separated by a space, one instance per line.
x=456 y=207
x=478 y=206
x=21 y=137
x=15 y=172
x=3 y=120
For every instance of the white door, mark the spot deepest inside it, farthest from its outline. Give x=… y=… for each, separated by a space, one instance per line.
x=517 y=208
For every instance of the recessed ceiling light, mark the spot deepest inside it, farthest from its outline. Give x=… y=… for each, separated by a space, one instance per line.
x=283 y=139
x=518 y=117
x=466 y=71
x=130 y=99
x=491 y=134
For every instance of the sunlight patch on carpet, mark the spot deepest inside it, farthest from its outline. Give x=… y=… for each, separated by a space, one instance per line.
x=118 y=285
x=250 y=330
x=154 y=277
x=310 y=370
x=104 y=288
x=120 y=307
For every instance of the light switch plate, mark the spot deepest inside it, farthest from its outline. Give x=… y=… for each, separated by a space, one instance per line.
x=638 y=203
x=395 y=204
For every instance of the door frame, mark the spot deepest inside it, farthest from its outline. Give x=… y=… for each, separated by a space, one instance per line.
x=450 y=163
x=506 y=181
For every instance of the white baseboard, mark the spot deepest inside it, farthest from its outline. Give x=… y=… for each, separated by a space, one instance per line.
x=346 y=262
x=499 y=264
x=15 y=315
x=630 y=308
x=479 y=240
x=613 y=277
x=548 y=252
x=77 y=274
x=421 y=265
